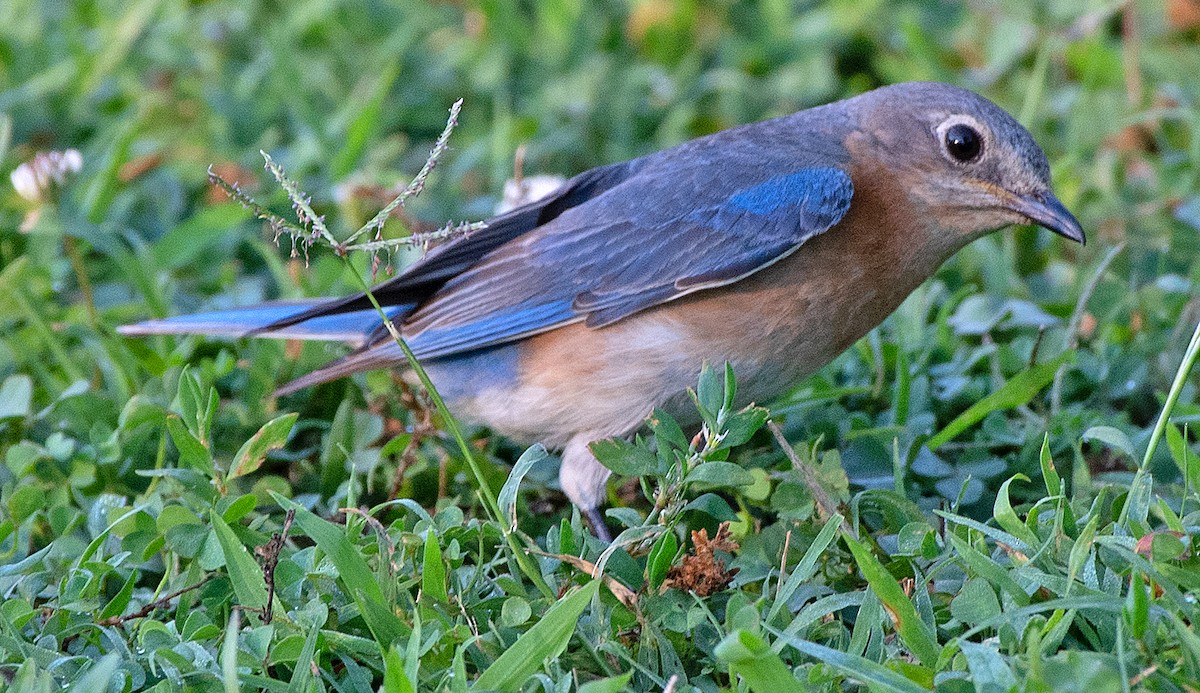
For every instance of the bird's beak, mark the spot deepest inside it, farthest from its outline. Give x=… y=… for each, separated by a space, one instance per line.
x=1046 y=211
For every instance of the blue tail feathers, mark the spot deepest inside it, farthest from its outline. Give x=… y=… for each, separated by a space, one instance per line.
x=354 y=328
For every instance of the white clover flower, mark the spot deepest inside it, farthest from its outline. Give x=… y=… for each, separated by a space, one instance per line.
x=526 y=190
x=37 y=179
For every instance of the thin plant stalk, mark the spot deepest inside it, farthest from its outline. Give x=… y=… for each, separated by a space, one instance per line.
x=490 y=500
x=1181 y=376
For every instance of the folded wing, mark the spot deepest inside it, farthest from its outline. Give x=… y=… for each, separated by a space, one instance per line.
x=602 y=267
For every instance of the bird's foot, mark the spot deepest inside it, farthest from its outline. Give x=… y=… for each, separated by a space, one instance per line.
x=596 y=519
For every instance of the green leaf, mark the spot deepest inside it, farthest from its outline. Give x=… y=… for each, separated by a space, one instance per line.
x=914 y=632
x=140 y=411
x=988 y=669
x=1166 y=547
x=712 y=505
x=1049 y=473
x=1080 y=550
x=613 y=684
x=741 y=427
x=303 y=673
x=238 y=507
x=210 y=411
x=195 y=408
x=116 y=605
x=192 y=453
x=272 y=435
x=1111 y=437
x=730 y=388
x=508 y=493
x=244 y=571
x=433 y=576
x=667 y=430
x=515 y=611
x=1138 y=501
x=394 y=678
x=1007 y=518
x=977 y=315
x=187 y=395
x=710 y=393
x=719 y=474
x=1137 y=606
x=661 y=556
x=458 y=677
x=546 y=640
x=412 y=651
x=97 y=676
x=625 y=458
x=1017 y=391
x=751 y=658
x=975 y=603
x=1181 y=453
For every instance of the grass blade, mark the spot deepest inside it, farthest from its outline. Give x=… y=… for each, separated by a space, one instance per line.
x=508 y=493
x=751 y=658
x=433 y=576
x=1017 y=391
x=807 y=565
x=545 y=640
x=353 y=570
x=244 y=572
x=229 y=651
x=875 y=675
x=916 y=635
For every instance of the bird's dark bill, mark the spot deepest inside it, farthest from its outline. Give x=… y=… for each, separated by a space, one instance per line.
x=1046 y=211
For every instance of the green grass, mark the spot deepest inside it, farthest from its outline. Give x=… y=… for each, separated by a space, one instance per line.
x=996 y=489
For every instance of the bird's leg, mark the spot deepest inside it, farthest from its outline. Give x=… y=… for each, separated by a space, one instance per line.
x=596 y=519
x=583 y=479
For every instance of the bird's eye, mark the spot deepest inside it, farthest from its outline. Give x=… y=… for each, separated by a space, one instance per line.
x=963 y=142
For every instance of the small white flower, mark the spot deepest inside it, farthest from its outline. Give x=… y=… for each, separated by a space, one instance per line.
x=36 y=179
x=526 y=190
x=25 y=181
x=70 y=161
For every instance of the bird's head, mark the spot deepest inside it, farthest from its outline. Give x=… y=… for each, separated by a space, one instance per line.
x=967 y=165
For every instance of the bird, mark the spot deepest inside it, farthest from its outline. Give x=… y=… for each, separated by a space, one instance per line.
x=771 y=246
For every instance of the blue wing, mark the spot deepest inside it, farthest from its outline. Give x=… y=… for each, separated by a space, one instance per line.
x=353 y=320
x=588 y=265
x=430 y=273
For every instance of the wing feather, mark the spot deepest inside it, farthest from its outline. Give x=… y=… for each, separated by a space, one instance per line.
x=599 y=266
x=447 y=261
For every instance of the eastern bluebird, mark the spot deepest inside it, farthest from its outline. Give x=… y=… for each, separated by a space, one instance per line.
x=773 y=246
